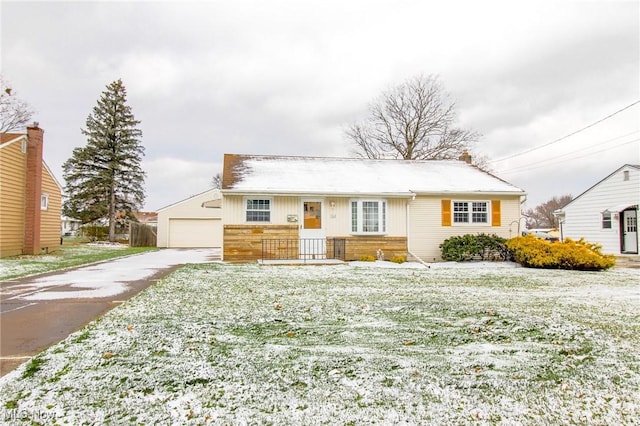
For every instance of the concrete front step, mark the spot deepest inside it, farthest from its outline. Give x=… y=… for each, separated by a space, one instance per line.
x=628 y=261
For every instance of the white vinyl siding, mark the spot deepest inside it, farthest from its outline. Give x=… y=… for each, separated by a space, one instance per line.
x=426 y=232
x=234 y=212
x=336 y=217
x=583 y=216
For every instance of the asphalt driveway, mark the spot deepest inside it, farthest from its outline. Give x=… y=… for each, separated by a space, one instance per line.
x=36 y=312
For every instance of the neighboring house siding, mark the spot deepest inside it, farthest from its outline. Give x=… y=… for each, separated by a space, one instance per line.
x=583 y=216
x=51 y=221
x=25 y=227
x=426 y=232
x=13 y=163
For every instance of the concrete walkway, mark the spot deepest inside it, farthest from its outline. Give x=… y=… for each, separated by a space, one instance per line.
x=36 y=312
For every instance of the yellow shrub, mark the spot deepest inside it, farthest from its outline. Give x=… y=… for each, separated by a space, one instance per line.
x=398 y=259
x=367 y=258
x=534 y=252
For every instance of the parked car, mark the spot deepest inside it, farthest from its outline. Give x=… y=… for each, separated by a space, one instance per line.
x=542 y=235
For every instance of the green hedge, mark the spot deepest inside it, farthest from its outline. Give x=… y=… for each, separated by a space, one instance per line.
x=474 y=247
x=534 y=252
x=95 y=232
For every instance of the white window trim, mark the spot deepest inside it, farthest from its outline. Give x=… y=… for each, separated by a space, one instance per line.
x=383 y=216
x=602 y=220
x=44 y=202
x=470 y=213
x=245 y=210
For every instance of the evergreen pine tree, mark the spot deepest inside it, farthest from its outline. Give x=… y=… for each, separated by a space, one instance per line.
x=104 y=179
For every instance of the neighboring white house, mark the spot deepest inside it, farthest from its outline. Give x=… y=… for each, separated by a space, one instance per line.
x=348 y=208
x=193 y=222
x=70 y=226
x=606 y=213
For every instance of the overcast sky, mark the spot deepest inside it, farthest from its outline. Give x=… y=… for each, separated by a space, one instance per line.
x=286 y=77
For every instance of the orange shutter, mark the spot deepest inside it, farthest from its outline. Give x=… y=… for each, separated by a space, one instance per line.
x=446 y=212
x=495 y=213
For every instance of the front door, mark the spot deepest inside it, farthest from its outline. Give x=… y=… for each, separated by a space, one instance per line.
x=630 y=231
x=312 y=237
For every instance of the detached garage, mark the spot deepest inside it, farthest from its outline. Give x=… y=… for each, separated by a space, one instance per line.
x=192 y=223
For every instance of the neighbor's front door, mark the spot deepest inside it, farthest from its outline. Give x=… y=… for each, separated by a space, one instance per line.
x=312 y=236
x=630 y=230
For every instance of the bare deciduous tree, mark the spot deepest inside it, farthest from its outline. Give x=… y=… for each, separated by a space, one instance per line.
x=542 y=216
x=14 y=112
x=413 y=121
x=216 y=181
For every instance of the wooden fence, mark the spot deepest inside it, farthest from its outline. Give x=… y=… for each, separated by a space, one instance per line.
x=141 y=235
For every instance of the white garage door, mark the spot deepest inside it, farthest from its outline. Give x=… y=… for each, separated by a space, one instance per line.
x=195 y=233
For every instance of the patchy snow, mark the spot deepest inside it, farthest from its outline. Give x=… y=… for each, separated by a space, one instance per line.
x=360 y=176
x=106 y=279
x=35 y=264
x=244 y=344
x=107 y=244
x=387 y=264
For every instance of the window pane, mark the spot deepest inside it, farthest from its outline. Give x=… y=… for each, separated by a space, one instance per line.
x=258 y=204
x=606 y=220
x=354 y=216
x=479 y=214
x=258 y=210
x=370 y=218
x=460 y=212
x=384 y=216
x=258 y=216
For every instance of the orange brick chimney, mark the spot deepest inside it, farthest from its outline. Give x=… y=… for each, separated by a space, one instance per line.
x=465 y=156
x=33 y=191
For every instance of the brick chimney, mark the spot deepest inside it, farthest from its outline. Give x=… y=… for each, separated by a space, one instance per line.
x=465 y=156
x=33 y=190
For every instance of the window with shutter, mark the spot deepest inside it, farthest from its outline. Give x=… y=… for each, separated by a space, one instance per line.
x=465 y=213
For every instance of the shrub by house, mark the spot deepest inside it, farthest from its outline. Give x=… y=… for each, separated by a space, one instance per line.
x=534 y=252
x=474 y=247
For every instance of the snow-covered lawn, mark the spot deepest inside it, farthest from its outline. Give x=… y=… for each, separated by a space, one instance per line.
x=454 y=344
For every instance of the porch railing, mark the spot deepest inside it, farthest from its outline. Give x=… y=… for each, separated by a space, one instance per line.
x=306 y=249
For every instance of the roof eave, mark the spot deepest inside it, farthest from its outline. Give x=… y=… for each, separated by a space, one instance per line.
x=185 y=200
x=13 y=140
x=316 y=193
x=513 y=193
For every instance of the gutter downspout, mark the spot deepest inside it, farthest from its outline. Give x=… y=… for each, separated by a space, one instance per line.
x=419 y=260
x=560 y=215
x=522 y=201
